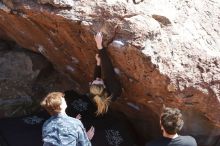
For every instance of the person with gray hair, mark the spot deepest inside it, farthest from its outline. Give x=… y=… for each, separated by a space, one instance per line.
x=171 y=122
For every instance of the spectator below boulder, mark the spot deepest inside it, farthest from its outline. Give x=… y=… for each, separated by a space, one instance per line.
x=111 y=129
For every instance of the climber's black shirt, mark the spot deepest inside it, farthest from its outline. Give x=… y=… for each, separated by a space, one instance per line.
x=113 y=85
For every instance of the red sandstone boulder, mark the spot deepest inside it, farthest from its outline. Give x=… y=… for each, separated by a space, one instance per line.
x=165 y=52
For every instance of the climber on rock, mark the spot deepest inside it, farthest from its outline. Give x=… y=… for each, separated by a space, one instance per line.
x=171 y=122
x=60 y=129
x=107 y=88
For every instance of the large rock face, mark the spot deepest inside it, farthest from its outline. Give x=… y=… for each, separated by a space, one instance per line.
x=25 y=77
x=165 y=52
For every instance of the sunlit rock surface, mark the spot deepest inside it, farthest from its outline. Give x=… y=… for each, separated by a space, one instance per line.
x=166 y=52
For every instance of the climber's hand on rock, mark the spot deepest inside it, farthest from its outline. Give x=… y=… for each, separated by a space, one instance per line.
x=98 y=40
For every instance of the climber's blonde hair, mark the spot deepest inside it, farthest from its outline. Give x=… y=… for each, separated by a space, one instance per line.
x=100 y=97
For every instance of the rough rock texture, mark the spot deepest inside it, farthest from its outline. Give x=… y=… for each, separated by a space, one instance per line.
x=58 y=3
x=25 y=77
x=165 y=52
